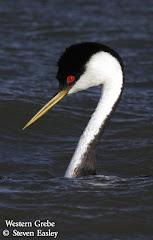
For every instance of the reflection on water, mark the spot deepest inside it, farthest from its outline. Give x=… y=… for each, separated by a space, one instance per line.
x=117 y=203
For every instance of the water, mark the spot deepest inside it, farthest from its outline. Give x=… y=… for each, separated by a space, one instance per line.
x=117 y=203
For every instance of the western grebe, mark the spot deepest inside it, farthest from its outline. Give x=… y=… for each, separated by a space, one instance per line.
x=82 y=66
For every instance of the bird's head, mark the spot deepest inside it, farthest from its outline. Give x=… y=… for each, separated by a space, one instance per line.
x=82 y=66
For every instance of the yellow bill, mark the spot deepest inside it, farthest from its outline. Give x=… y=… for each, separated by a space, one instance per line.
x=49 y=105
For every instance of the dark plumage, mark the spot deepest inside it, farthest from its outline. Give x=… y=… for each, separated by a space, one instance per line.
x=80 y=67
x=73 y=60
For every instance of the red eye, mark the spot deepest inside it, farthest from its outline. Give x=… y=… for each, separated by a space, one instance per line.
x=70 y=78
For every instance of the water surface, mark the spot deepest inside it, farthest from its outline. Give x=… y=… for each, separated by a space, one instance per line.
x=117 y=203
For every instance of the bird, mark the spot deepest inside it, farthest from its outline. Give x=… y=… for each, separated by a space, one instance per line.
x=81 y=66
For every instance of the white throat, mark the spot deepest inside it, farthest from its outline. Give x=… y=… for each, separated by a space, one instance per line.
x=102 y=69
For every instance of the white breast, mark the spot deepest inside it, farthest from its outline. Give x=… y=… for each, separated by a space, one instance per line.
x=102 y=68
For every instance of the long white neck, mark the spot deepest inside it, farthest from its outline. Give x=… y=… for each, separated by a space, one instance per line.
x=84 y=158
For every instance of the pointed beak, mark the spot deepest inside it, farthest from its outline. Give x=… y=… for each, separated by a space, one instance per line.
x=50 y=104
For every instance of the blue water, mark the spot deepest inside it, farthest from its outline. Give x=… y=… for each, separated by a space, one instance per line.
x=117 y=203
